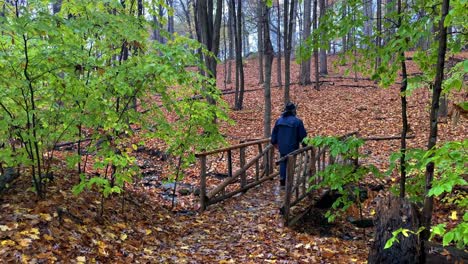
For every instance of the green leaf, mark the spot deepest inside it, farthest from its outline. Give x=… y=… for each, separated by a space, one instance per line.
x=448 y=238
x=390 y=242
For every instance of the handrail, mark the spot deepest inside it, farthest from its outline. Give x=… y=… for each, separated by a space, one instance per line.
x=237 y=173
x=246 y=144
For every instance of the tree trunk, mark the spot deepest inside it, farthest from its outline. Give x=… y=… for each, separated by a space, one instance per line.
x=367 y=10
x=170 y=17
x=378 y=39
x=404 y=116
x=208 y=31
x=288 y=30
x=268 y=63
x=231 y=43
x=436 y=91
x=186 y=11
x=315 y=41
x=278 y=35
x=344 y=42
x=157 y=26
x=323 y=50
x=260 y=42
x=161 y=14
x=394 y=213
x=305 y=64
x=245 y=36
x=389 y=31
x=239 y=98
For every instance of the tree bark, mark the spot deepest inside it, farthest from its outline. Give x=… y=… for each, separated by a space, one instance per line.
x=288 y=30
x=186 y=11
x=404 y=116
x=208 y=31
x=305 y=64
x=367 y=10
x=170 y=18
x=323 y=50
x=436 y=92
x=239 y=97
x=279 y=73
x=268 y=63
x=378 y=39
x=315 y=41
x=231 y=42
x=260 y=42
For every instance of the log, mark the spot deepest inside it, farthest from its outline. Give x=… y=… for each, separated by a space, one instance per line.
x=394 y=213
x=386 y=138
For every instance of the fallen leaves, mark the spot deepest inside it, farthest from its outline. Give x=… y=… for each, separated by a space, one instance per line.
x=245 y=229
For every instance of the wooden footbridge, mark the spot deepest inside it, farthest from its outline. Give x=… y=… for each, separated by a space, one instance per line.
x=238 y=168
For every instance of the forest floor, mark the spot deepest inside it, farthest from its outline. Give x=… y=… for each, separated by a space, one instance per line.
x=141 y=227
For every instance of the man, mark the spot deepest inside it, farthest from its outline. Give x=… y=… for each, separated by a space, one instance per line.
x=287 y=134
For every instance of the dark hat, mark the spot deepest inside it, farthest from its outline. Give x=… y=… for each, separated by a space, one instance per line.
x=289 y=107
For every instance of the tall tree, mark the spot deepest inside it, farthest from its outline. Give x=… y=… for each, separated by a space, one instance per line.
x=323 y=45
x=186 y=10
x=436 y=92
x=208 y=31
x=260 y=42
x=315 y=44
x=305 y=64
x=268 y=50
x=367 y=11
x=288 y=31
x=237 y=14
x=231 y=41
x=404 y=116
x=278 y=39
x=170 y=16
x=378 y=39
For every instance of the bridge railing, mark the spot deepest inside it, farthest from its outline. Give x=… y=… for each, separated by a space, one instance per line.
x=303 y=166
x=243 y=166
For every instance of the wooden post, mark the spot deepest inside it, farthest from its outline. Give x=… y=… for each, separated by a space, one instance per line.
x=257 y=169
x=229 y=163
x=305 y=172
x=323 y=158
x=313 y=168
x=270 y=160
x=319 y=164
x=203 y=200
x=243 y=175
x=289 y=182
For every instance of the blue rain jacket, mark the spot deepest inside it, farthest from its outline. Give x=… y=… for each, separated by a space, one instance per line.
x=288 y=133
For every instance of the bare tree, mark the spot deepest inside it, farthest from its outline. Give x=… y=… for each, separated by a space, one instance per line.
x=436 y=92
x=185 y=9
x=208 y=32
x=305 y=64
x=378 y=39
x=278 y=57
x=288 y=30
x=315 y=42
x=260 y=42
x=170 y=17
x=268 y=50
x=323 y=50
x=237 y=15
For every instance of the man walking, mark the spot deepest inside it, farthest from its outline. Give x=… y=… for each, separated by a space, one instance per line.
x=287 y=134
